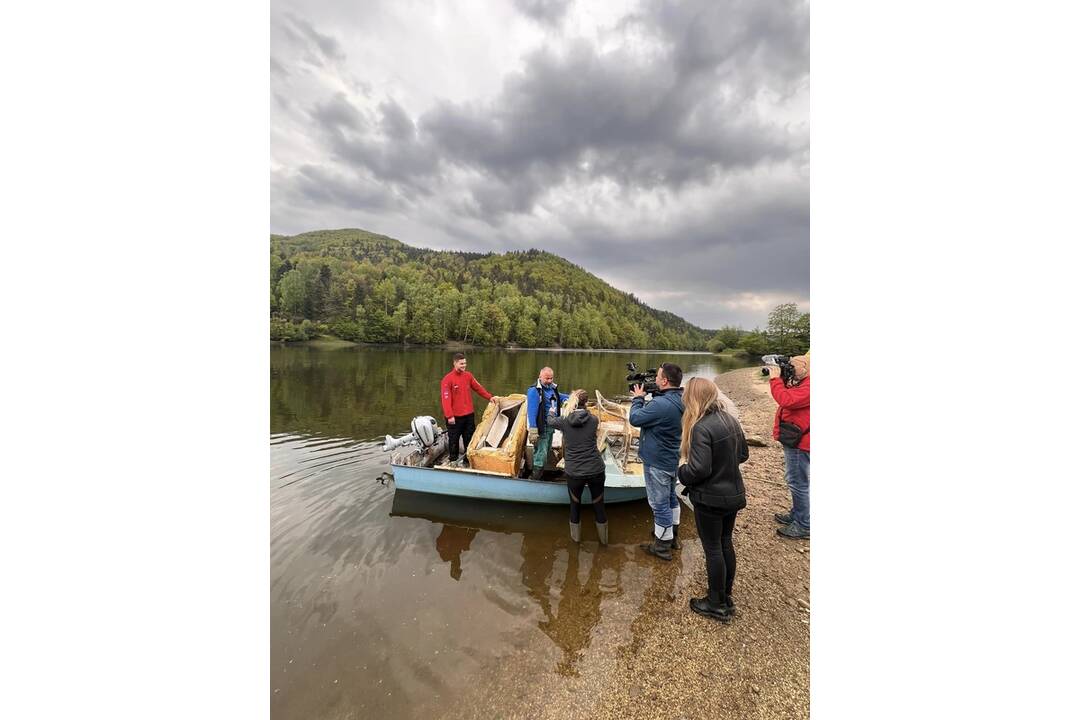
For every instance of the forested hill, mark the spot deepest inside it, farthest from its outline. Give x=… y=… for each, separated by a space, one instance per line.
x=365 y=287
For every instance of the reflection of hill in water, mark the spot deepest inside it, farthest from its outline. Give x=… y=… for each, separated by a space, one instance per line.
x=367 y=392
x=551 y=565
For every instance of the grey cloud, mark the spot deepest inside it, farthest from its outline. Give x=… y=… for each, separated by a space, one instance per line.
x=387 y=146
x=550 y=12
x=278 y=69
x=322 y=186
x=588 y=115
x=764 y=246
x=750 y=41
x=396 y=123
x=302 y=33
x=338 y=114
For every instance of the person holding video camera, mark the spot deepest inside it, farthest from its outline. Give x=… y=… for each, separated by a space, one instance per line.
x=791 y=427
x=660 y=421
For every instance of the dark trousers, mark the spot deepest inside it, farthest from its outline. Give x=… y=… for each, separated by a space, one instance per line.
x=714 y=529
x=576 y=486
x=463 y=427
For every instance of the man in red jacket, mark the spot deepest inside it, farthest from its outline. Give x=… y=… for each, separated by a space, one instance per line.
x=794 y=410
x=456 y=395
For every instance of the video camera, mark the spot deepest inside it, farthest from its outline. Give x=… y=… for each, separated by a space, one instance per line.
x=646 y=379
x=787 y=370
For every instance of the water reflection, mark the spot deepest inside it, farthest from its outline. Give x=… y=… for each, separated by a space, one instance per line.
x=363 y=393
x=551 y=565
x=570 y=626
x=453 y=541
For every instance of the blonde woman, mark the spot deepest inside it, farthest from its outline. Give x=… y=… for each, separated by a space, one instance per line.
x=584 y=465
x=713 y=446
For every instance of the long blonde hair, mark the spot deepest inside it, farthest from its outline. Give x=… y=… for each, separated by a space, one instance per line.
x=577 y=399
x=699 y=397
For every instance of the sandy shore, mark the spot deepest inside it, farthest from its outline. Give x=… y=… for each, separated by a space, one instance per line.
x=651 y=657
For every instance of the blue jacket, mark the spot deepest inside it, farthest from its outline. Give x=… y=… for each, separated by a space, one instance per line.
x=550 y=395
x=661 y=428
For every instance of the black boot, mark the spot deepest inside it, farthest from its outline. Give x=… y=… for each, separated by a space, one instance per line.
x=675 y=544
x=659 y=548
x=715 y=610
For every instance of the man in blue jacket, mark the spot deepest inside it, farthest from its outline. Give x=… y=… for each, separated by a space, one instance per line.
x=544 y=398
x=661 y=433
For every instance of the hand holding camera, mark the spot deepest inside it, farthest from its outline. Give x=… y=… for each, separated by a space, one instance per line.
x=646 y=380
x=778 y=366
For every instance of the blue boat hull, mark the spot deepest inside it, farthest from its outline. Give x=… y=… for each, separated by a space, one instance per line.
x=489 y=486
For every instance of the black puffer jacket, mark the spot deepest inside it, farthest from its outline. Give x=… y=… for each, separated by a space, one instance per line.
x=579 y=442
x=711 y=473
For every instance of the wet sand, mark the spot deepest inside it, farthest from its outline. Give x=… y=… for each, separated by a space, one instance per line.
x=649 y=656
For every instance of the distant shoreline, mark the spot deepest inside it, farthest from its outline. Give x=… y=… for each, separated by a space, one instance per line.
x=328 y=341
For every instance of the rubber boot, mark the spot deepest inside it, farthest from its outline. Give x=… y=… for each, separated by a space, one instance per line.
x=601 y=530
x=659 y=548
x=575 y=531
x=675 y=544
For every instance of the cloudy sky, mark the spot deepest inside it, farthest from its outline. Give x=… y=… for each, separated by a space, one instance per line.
x=663 y=146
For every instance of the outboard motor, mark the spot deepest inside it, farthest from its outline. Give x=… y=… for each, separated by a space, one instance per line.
x=430 y=439
x=425 y=430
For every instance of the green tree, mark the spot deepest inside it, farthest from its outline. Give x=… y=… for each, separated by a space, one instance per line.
x=755 y=342
x=378 y=328
x=802 y=333
x=399 y=322
x=782 y=329
x=293 y=291
x=729 y=335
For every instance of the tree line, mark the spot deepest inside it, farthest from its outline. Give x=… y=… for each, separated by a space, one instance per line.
x=787 y=333
x=364 y=287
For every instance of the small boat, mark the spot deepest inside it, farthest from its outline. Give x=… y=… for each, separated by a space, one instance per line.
x=487 y=485
x=499 y=458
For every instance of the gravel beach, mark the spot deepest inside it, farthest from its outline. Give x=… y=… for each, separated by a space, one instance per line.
x=651 y=657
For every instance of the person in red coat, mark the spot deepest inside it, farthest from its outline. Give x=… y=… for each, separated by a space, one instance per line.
x=793 y=400
x=456 y=391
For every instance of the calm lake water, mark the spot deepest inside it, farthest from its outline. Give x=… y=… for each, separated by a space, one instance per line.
x=391 y=604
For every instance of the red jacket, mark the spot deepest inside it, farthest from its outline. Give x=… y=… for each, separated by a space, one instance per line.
x=456 y=393
x=794 y=405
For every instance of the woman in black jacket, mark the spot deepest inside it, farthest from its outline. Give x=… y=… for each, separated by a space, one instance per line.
x=713 y=445
x=584 y=465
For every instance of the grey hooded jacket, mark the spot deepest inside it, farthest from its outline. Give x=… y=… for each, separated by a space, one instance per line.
x=579 y=442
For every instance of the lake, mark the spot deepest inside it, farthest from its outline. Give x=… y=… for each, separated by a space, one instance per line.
x=394 y=604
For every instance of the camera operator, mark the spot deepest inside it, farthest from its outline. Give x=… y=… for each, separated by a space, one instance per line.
x=661 y=433
x=792 y=428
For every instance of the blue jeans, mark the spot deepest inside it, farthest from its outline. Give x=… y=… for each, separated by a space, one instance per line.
x=660 y=490
x=797 y=474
